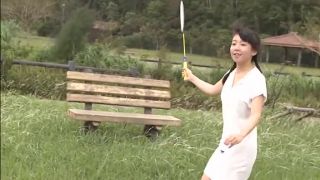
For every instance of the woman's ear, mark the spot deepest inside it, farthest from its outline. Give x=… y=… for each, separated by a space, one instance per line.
x=254 y=52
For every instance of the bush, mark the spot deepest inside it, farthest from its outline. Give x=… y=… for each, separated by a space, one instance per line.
x=49 y=27
x=9 y=29
x=72 y=36
x=162 y=72
x=294 y=89
x=41 y=82
x=42 y=55
x=99 y=56
x=138 y=40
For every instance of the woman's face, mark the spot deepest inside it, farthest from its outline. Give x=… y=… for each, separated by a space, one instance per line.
x=241 y=51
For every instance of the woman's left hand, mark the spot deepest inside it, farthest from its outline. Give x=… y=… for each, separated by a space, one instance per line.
x=233 y=139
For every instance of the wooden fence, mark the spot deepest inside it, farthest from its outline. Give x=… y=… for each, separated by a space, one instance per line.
x=73 y=67
x=131 y=72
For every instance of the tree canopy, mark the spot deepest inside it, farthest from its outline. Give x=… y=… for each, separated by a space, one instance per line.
x=153 y=24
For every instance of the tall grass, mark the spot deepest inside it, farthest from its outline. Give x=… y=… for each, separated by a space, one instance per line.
x=38 y=81
x=38 y=141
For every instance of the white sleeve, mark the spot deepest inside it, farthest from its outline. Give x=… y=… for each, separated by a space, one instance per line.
x=258 y=87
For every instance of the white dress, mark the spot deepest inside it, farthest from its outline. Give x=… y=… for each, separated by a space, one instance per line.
x=235 y=163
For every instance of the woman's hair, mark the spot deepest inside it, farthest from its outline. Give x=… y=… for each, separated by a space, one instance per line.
x=249 y=36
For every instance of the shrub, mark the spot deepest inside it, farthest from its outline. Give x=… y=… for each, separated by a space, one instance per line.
x=41 y=82
x=49 y=27
x=9 y=29
x=99 y=56
x=72 y=36
x=303 y=91
x=138 y=40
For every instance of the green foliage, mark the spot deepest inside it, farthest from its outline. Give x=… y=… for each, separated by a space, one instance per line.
x=154 y=23
x=11 y=47
x=132 y=23
x=113 y=11
x=294 y=89
x=72 y=37
x=164 y=71
x=41 y=82
x=118 y=45
x=49 y=27
x=9 y=30
x=42 y=55
x=162 y=53
x=139 y=40
x=186 y=95
x=98 y=55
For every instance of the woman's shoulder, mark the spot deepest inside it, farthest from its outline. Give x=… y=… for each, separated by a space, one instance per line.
x=257 y=75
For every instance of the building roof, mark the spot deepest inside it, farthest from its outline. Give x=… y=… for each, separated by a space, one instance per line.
x=293 y=40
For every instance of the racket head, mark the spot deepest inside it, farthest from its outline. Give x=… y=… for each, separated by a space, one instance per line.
x=181 y=16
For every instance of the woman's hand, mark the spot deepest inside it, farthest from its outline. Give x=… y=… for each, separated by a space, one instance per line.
x=187 y=74
x=233 y=139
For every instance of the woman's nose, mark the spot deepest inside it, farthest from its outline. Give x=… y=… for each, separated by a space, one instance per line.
x=236 y=47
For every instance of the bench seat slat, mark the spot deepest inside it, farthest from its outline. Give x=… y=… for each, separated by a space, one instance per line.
x=83 y=98
x=83 y=76
x=89 y=115
x=116 y=90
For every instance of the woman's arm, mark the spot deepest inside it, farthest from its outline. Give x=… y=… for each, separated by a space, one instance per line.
x=254 y=119
x=202 y=85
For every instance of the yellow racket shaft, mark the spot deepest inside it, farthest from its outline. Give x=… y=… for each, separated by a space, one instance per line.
x=185 y=63
x=184 y=45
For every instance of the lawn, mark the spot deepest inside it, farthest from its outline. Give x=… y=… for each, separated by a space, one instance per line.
x=223 y=62
x=38 y=141
x=38 y=43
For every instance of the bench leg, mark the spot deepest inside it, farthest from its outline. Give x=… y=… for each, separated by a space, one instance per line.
x=151 y=131
x=90 y=126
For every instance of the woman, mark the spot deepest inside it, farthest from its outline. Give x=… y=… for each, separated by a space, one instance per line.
x=243 y=94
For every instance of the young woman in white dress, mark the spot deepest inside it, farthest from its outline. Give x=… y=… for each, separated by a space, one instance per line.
x=243 y=94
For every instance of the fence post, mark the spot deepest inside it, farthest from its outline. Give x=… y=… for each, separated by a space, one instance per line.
x=71 y=65
x=159 y=63
x=2 y=61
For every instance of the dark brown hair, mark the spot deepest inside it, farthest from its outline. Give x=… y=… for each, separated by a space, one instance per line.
x=249 y=36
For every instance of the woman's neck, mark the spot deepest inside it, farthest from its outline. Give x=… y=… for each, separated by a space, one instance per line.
x=244 y=67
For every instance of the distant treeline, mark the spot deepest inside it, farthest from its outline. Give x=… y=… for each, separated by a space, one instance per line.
x=153 y=24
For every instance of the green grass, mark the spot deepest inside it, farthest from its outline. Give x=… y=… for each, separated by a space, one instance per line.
x=36 y=42
x=224 y=62
x=177 y=57
x=41 y=43
x=38 y=141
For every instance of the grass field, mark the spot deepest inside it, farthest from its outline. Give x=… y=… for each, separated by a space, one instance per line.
x=40 y=43
x=224 y=62
x=36 y=42
x=38 y=141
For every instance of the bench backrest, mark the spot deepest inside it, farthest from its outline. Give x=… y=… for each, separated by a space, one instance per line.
x=117 y=90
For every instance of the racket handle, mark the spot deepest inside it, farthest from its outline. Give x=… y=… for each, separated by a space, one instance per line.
x=185 y=65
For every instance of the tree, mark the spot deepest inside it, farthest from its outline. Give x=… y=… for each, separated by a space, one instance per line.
x=156 y=22
x=72 y=37
x=113 y=11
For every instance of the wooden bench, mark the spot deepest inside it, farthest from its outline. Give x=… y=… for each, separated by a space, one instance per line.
x=91 y=88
